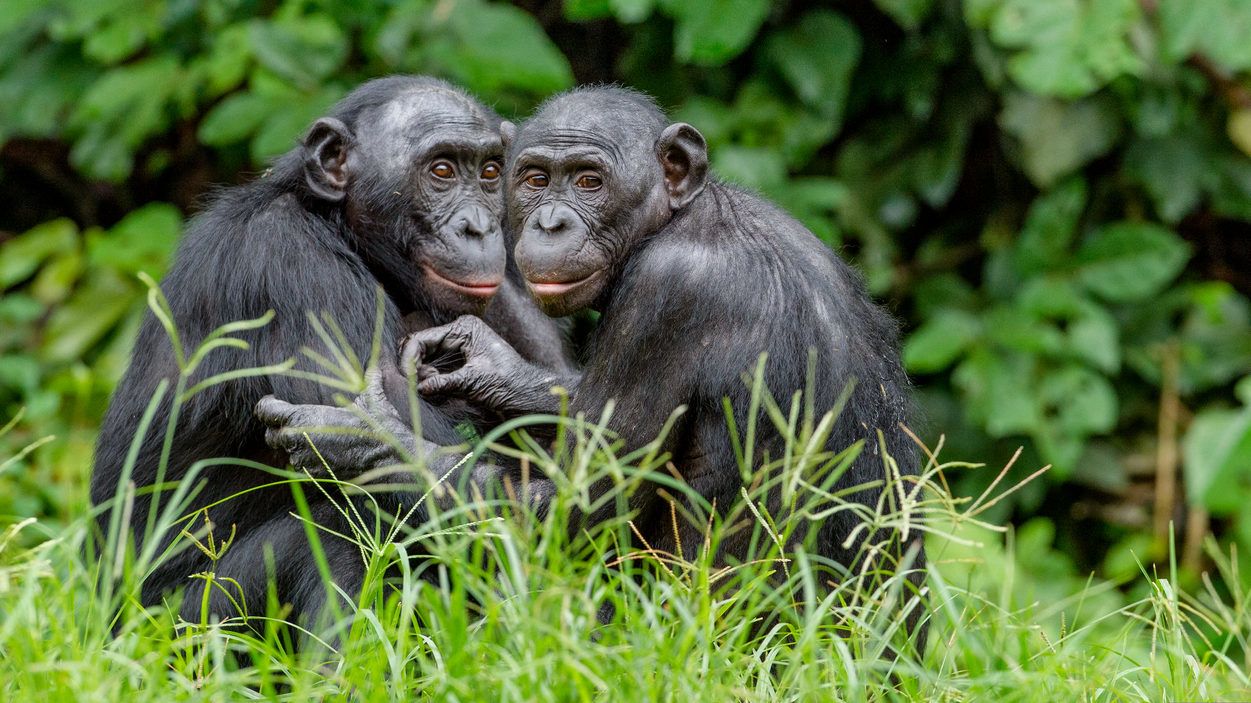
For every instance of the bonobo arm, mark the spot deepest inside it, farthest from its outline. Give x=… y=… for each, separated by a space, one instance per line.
x=493 y=375
x=370 y=434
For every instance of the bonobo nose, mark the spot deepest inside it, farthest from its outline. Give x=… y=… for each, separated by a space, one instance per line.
x=553 y=220
x=475 y=223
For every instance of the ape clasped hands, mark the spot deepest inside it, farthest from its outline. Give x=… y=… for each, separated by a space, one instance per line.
x=493 y=374
x=370 y=433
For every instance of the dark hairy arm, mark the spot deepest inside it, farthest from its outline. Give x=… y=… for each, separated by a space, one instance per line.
x=370 y=434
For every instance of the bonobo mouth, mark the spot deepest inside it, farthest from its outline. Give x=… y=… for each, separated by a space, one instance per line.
x=475 y=289
x=548 y=289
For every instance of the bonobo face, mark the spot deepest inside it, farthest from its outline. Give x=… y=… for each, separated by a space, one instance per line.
x=422 y=193
x=590 y=175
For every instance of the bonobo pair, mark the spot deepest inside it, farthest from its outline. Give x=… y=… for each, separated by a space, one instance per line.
x=611 y=208
x=614 y=210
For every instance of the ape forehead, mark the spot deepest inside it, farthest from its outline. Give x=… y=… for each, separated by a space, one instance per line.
x=421 y=111
x=561 y=142
x=426 y=119
x=610 y=119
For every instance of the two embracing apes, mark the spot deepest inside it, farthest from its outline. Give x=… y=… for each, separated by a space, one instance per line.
x=482 y=234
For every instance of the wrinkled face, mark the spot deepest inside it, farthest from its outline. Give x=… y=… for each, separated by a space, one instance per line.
x=445 y=162
x=423 y=197
x=579 y=201
x=589 y=177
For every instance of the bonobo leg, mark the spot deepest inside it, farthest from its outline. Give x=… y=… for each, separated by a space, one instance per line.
x=241 y=579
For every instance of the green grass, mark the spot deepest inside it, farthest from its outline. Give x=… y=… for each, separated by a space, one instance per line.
x=515 y=619
x=500 y=605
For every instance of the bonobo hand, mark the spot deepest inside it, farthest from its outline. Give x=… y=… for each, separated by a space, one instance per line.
x=492 y=376
x=351 y=440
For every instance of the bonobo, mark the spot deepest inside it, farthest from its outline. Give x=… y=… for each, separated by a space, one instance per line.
x=398 y=189
x=695 y=279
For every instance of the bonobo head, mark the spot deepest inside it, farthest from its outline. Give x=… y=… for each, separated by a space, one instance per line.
x=414 y=167
x=591 y=174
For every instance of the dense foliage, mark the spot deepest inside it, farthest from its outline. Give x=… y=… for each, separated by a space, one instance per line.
x=1055 y=197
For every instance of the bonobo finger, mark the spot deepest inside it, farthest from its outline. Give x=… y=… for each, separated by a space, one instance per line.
x=274 y=412
x=443 y=384
x=426 y=371
x=426 y=344
x=280 y=439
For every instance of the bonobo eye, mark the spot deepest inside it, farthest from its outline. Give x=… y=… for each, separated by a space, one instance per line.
x=537 y=179
x=490 y=172
x=589 y=181
x=443 y=169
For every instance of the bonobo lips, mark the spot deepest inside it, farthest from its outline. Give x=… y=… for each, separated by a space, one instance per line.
x=549 y=289
x=475 y=289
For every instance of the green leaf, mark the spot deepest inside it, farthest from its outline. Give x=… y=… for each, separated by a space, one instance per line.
x=583 y=10
x=99 y=303
x=39 y=89
x=237 y=117
x=143 y=240
x=17 y=12
x=56 y=280
x=306 y=50
x=817 y=57
x=907 y=13
x=940 y=341
x=122 y=36
x=632 y=11
x=712 y=32
x=1095 y=338
x=1010 y=327
x=998 y=391
x=227 y=62
x=1174 y=171
x=1131 y=260
x=495 y=47
x=1218 y=29
x=123 y=109
x=395 y=38
x=1239 y=129
x=1081 y=402
x=283 y=128
x=1242 y=391
x=1216 y=337
x=754 y=168
x=1067 y=48
x=22 y=255
x=1217 y=455
x=1049 y=227
x=1057 y=137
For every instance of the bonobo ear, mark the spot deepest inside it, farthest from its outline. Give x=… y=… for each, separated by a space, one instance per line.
x=684 y=156
x=326 y=148
x=508 y=131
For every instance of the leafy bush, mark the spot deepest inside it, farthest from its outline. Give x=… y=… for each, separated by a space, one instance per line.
x=1054 y=196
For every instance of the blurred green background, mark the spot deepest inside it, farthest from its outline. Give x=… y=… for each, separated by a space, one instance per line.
x=1053 y=195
